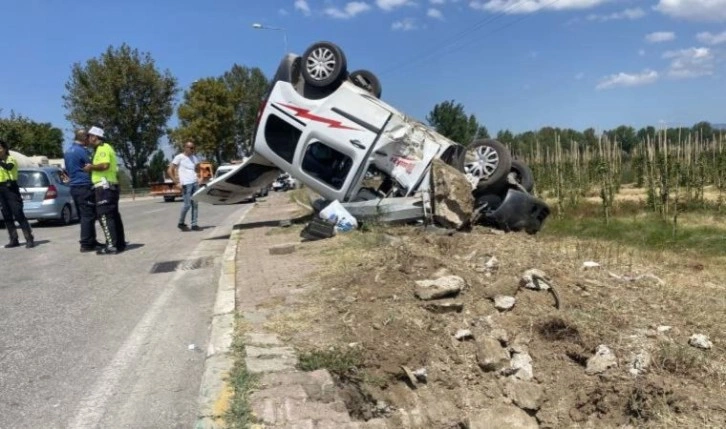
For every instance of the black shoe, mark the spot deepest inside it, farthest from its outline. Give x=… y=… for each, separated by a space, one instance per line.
x=13 y=243
x=85 y=249
x=29 y=244
x=97 y=244
x=108 y=250
x=183 y=227
x=196 y=228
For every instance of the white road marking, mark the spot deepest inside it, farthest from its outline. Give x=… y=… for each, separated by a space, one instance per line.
x=93 y=406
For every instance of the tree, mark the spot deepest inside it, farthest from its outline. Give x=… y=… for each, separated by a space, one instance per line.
x=449 y=119
x=207 y=117
x=31 y=138
x=483 y=133
x=123 y=92
x=247 y=87
x=157 y=166
x=625 y=136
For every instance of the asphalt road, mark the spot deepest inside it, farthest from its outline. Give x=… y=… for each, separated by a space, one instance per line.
x=90 y=341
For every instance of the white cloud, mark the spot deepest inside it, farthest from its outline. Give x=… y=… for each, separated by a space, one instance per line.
x=631 y=14
x=641 y=52
x=660 y=36
x=302 y=6
x=349 y=11
x=283 y=12
x=579 y=76
x=437 y=1
x=645 y=77
x=434 y=13
x=392 y=4
x=711 y=39
x=691 y=62
x=406 y=24
x=530 y=6
x=695 y=10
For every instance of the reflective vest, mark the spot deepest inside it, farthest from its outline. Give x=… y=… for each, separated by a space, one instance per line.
x=105 y=154
x=12 y=175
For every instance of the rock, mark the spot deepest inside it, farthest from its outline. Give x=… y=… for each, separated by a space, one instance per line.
x=500 y=417
x=421 y=375
x=454 y=201
x=282 y=249
x=535 y=279
x=521 y=343
x=590 y=264
x=490 y=355
x=603 y=360
x=492 y=263
x=520 y=367
x=504 y=303
x=663 y=329
x=463 y=334
x=440 y=288
x=525 y=394
x=700 y=341
x=500 y=335
x=444 y=307
x=639 y=363
x=410 y=377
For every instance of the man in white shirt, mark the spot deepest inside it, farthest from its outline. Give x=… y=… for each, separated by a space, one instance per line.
x=183 y=171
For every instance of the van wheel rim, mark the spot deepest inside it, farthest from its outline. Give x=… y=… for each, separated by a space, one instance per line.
x=485 y=163
x=321 y=63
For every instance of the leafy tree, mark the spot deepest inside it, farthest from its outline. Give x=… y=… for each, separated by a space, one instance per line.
x=704 y=130
x=207 y=117
x=483 y=133
x=247 y=87
x=449 y=119
x=157 y=166
x=32 y=138
x=123 y=92
x=625 y=136
x=505 y=136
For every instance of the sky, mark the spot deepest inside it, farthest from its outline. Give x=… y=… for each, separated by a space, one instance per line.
x=514 y=64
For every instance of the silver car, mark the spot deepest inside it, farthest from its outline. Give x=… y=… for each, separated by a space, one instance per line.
x=45 y=196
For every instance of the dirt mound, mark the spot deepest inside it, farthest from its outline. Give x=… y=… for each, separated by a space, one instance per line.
x=421 y=360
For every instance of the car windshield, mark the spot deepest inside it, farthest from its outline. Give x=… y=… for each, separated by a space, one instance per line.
x=32 y=179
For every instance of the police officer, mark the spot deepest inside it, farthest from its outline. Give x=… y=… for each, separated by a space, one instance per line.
x=11 y=203
x=76 y=157
x=104 y=176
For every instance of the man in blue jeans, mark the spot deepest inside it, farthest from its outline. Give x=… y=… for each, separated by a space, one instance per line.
x=76 y=157
x=183 y=171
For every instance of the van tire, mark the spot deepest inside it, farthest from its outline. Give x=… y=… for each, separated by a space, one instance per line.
x=323 y=64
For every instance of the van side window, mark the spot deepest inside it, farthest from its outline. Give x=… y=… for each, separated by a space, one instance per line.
x=282 y=137
x=327 y=164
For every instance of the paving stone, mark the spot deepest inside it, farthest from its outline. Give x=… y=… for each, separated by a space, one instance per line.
x=294 y=392
x=259 y=366
x=269 y=352
x=261 y=339
x=267 y=411
x=296 y=410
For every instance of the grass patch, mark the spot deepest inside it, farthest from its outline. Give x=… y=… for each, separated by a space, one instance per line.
x=239 y=414
x=338 y=361
x=648 y=232
x=678 y=359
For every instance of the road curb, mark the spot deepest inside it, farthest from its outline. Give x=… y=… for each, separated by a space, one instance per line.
x=215 y=392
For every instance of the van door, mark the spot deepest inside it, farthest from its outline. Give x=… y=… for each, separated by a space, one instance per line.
x=337 y=141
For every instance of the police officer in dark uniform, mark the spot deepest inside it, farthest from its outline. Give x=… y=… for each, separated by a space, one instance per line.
x=11 y=202
x=104 y=176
